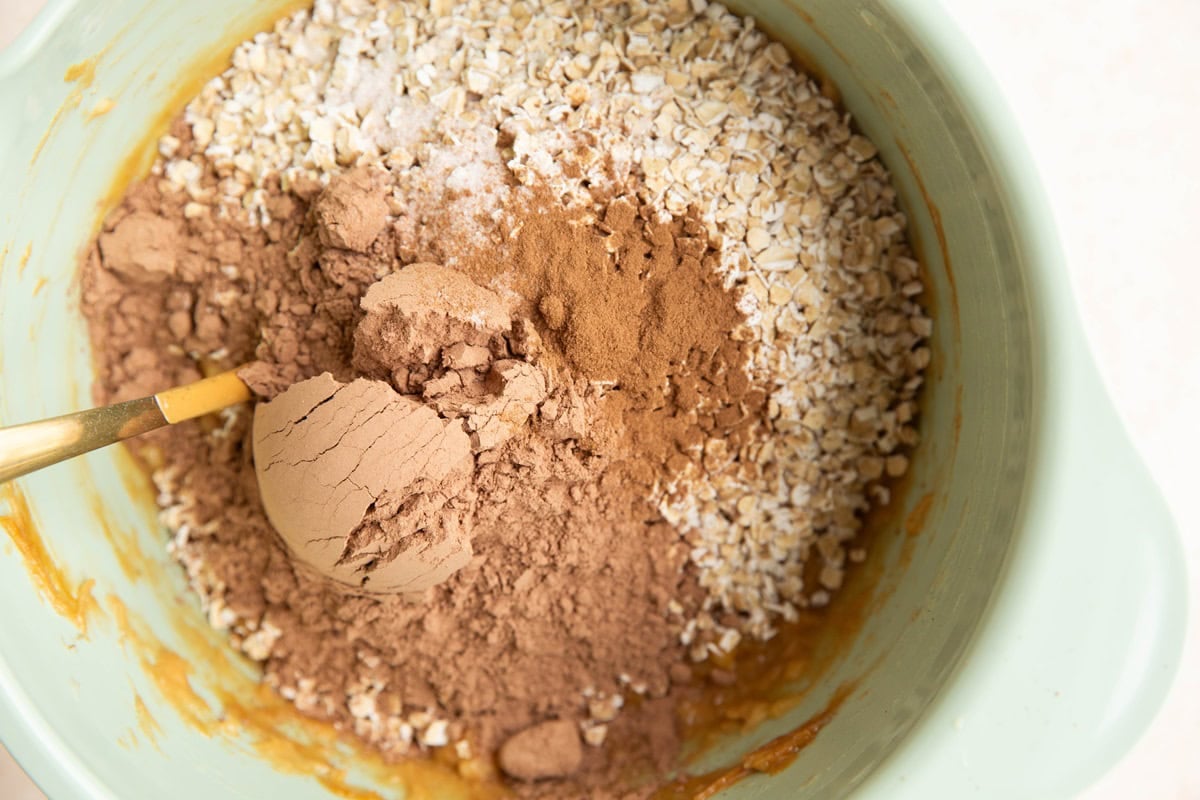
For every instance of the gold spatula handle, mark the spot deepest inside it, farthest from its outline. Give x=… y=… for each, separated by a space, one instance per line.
x=28 y=447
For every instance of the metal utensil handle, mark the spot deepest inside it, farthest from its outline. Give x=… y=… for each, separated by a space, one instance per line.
x=29 y=447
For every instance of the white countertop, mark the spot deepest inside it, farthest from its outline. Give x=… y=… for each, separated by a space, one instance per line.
x=1109 y=97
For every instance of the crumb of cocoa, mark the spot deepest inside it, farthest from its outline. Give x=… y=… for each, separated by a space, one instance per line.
x=550 y=749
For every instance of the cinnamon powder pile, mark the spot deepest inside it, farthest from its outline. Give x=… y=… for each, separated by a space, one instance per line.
x=633 y=303
x=577 y=590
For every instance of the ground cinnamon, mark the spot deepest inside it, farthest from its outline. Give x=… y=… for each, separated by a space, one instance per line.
x=632 y=301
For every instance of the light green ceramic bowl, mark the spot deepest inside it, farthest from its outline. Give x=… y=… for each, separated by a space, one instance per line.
x=1022 y=645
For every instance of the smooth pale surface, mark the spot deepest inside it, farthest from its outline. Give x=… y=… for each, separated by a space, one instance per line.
x=1130 y=259
x=1124 y=191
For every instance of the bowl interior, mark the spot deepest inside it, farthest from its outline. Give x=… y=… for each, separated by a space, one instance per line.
x=105 y=654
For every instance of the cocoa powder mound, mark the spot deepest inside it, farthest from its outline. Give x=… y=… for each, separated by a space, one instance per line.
x=365 y=485
x=574 y=573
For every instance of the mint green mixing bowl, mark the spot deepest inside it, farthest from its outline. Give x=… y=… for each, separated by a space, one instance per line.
x=1019 y=644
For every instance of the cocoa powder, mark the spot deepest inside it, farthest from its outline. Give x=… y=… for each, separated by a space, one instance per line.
x=575 y=578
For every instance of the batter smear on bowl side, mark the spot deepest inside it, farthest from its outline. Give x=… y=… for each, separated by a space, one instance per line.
x=584 y=337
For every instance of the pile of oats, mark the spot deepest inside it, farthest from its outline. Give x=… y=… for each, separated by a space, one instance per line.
x=689 y=106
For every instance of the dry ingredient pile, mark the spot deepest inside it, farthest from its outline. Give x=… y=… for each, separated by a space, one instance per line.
x=585 y=335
